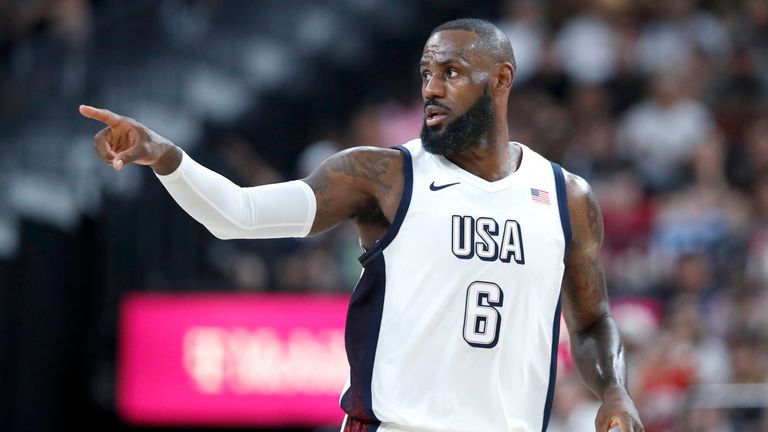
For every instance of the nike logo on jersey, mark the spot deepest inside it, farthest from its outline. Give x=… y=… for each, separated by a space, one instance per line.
x=432 y=187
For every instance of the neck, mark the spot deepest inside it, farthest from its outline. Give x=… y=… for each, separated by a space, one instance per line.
x=492 y=158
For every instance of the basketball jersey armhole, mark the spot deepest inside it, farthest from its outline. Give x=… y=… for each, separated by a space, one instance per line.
x=565 y=222
x=562 y=204
x=402 y=209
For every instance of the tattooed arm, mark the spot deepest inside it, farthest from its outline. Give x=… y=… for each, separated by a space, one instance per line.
x=363 y=184
x=595 y=343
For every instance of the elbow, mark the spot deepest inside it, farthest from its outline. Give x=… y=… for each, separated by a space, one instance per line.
x=595 y=326
x=226 y=229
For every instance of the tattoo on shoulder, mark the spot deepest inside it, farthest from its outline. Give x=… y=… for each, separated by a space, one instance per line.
x=585 y=208
x=594 y=216
x=363 y=165
x=586 y=293
x=319 y=180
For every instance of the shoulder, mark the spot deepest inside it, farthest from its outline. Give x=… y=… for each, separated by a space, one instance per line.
x=366 y=161
x=583 y=209
x=365 y=169
x=370 y=152
x=577 y=188
x=364 y=154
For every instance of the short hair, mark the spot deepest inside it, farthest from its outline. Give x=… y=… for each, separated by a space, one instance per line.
x=492 y=39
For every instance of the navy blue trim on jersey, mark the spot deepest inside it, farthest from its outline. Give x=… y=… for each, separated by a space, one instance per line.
x=552 y=366
x=402 y=209
x=562 y=204
x=361 y=336
x=565 y=221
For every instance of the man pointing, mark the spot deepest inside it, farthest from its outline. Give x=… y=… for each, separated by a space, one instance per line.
x=454 y=323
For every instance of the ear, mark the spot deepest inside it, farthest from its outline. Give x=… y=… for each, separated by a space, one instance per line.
x=505 y=75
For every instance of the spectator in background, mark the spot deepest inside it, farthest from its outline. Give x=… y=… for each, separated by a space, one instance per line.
x=750 y=31
x=749 y=357
x=538 y=119
x=524 y=24
x=592 y=152
x=754 y=157
x=586 y=47
x=682 y=355
x=665 y=372
x=705 y=216
x=678 y=34
x=704 y=420
x=757 y=245
x=661 y=132
x=747 y=311
x=735 y=96
x=577 y=407
x=589 y=104
x=688 y=324
x=628 y=216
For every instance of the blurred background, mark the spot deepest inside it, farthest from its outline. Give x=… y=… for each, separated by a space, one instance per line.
x=661 y=104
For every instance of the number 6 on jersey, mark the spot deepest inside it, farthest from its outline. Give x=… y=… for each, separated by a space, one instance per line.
x=482 y=320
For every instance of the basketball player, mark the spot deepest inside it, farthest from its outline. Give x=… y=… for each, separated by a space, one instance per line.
x=454 y=323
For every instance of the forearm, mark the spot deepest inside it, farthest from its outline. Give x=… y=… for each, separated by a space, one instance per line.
x=595 y=342
x=230 y=211
x=599 y=356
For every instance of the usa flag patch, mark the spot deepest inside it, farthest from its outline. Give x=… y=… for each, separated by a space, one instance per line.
x=540 y=196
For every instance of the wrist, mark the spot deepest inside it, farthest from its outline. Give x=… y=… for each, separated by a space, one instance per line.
x=614 y=389
x=169 y=159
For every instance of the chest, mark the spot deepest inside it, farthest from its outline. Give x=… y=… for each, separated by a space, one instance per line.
x=461 y=224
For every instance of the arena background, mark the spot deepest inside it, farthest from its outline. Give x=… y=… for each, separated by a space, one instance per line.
x=660 y=104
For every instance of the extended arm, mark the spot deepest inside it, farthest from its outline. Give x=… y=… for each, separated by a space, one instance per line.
x=347 y=185
x=595 y=343
x=230 y=211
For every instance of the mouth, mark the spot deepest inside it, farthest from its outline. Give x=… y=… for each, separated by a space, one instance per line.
x=434 y=115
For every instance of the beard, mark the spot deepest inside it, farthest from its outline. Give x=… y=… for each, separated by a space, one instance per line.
x=463 y=133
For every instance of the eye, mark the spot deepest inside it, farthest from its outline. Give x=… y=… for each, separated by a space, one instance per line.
x=452 y=73
x=426 y=74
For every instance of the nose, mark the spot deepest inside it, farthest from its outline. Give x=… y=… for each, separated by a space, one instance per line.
x=433 y=87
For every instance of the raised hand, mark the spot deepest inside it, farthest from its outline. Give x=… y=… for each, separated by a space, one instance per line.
x=125 y=141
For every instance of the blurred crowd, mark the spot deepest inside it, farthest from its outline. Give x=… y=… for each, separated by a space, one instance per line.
x=661 y=104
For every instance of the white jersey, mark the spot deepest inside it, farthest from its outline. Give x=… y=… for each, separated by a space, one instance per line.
x=454 y=323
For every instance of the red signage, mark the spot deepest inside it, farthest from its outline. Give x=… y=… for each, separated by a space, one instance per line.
x=232 y=359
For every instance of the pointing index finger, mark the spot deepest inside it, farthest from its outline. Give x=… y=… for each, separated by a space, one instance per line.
x=103 y=115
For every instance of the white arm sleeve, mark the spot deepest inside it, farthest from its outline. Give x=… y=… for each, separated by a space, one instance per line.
x=230 y=211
